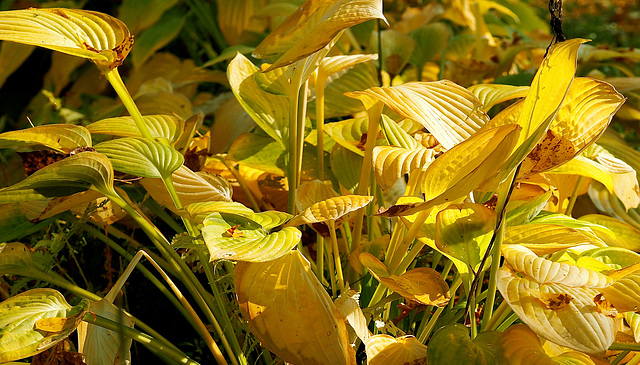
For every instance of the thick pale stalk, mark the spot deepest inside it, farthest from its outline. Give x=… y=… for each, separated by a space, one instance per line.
x=336 y=253
x=321 y=81
x=300 y=120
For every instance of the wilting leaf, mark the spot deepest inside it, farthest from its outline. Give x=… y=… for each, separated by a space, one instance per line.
x=544 y=271
x=246 y=238
x=197 y=212
x=492 y=94
x=450 y=112
x=348 y=303
x=60 y=137
x=192 y=187
x=462 y=169
x=19 y=316
x=101 y=38
x=313 y=26
x=80 y=172
x=160 y=126
x=330 y=209
x=141 y=157
x=386 y=350
x=590 y=331
x=464 y=232
x=519 y=345
x=290 y=313
x=452 y=345
x=423 y=285
x=98 y=344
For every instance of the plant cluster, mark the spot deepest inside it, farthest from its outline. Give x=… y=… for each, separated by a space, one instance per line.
x=383 y=182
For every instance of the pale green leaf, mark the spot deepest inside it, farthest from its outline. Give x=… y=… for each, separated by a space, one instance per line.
x=99 y=345
x=349 y=164
x=160 y=126
x=395 y=135
x=626 y=236
x=60 y=137
x=348 y=133
x=141 y=14
x=197 y=212
x=157 y=36
x=544 y=238
x=430 y=41
x=397 y=49
x=238 y=20
x=452 y=344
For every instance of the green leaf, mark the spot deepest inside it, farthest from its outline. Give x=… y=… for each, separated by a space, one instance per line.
x=15 y=259
x=197 y=212
x=397 y=49
x=35 y=320
x=452 y=345
x=141 y=14
x=160 y=126
x=141 y=157
x=349 y=164
x=245 y=238
x=60 y=137
x=348 y=133
x=157 y=36
x=430 y=40
x=82 y=171
x=395 y=135
x=625 y=235
x=99 y=37
x=386 y=350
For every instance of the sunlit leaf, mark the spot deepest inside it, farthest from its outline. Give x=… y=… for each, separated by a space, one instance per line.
x=384 y=349
x=290 y=313
x=395 y=135
x=633 y=319
x=348 y=303
x=141 y=157
x=464 y=168
x=590 y=331
x=448 y=111
x=82 y=171
x=349 y=133
x=330 y=209
x=544 y=271
x=312 y=192
x=99 y=37
x=624 y=293
x=518 y=213
x=197 y=212
x=452 y=344
x=543 y=238
x=390 y=163
x=20 y=314
x=519 y=345
x=625 y=180
x=160 y=126
x=313 y=26
x=60 y=137
x=626 y=236
x=492 y=94
x=613 y=257
x=423 y=285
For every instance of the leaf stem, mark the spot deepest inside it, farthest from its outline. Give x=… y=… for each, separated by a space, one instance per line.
x=336 y=253
x=321 y=81
x=574 y=196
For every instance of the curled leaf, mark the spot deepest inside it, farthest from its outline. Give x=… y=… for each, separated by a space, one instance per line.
x=386 y=350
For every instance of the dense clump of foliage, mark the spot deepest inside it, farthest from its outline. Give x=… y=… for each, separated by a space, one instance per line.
x=327 y=182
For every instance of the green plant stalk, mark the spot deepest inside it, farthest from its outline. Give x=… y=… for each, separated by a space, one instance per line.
x=321 y=82
x=336 y=253
x=159 y=211
x=471 y=303
x=301 y=117
x=507 y=322
x=396 y=252
x=426 y=331
x=574 y=196
x=409 y=257
x=292 y=171
x=153 y=344
x=332 y=275
x=493 y=275
x=620 y=357
x=498 y=316
x=320 y=257
x=375 y=113
x=116 y=82
x=181 y=270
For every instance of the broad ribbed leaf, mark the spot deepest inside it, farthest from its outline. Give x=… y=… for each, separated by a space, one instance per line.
x=626 y=236
x=269 y=111
x=60 y=137
x=290 y=312
x=450 y=112
x=101 y=38
x=391 y=163
x=624 y=293
x=492 y=94
x=160 y=126
x=82 y=171
x=464 y=232
x=360 y=77
x=141 y=157
x=519 y=345
x=36 y=210
x=452 y=345
x=582 y=166
x=330 y=209
x=349 y=164
x=348 y=133
x=99 y=345
x=21 y=332
x=624 y=175
x=562 y=314
x=15 y=259
x=633 y=319
x=395 y=135
x=544 y=271
x=543 y=238
x=464 y=168
x=336 y=64
x=234 y=237
x=423 y=285
x=197 y=212
x=192 y=187
x=313 y=26
x=386 y=350
x=312 y=192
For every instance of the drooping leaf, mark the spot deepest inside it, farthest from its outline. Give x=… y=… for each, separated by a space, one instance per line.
x=12 y=55
x=141 y=157
x=547 y=308
x=101 y=38
x=290 y=313
x=384 y=349
x=423 y=285
x=313 y=26
x=19 y=317
x=452 y=344
x=492 y=94
x=160 y=126
x=82 y=171
x=330 y=209
x=391 y=163
x=543 y=238
x=450 y=112
x=157 y=36
x=60 y=137
x=348 y=303
x=99 y=345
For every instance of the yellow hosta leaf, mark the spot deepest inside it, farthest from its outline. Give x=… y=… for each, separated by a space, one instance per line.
x=626 y=236
x=590 y=331
x=624 y=293
x=386 y=350
x=60 y=137
x=290 y=313
x=582 y=166
x=192 y=187
x=160 y=126
x=238 y=22
x=330 y=209
x=625 y=180
x=423 y=285
x=336 y=64
x=519 y=345
x=101 y=38
x=543 y=238
x=448 y=111
x=391 y=163
x=492 y=94
x=464 y=168
x=313 y=26
x=197 y=212
x=349 y=306
x=312 y=192
x=552 y=151
x=633 y=320
x=544 y=271
x=349 y=133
